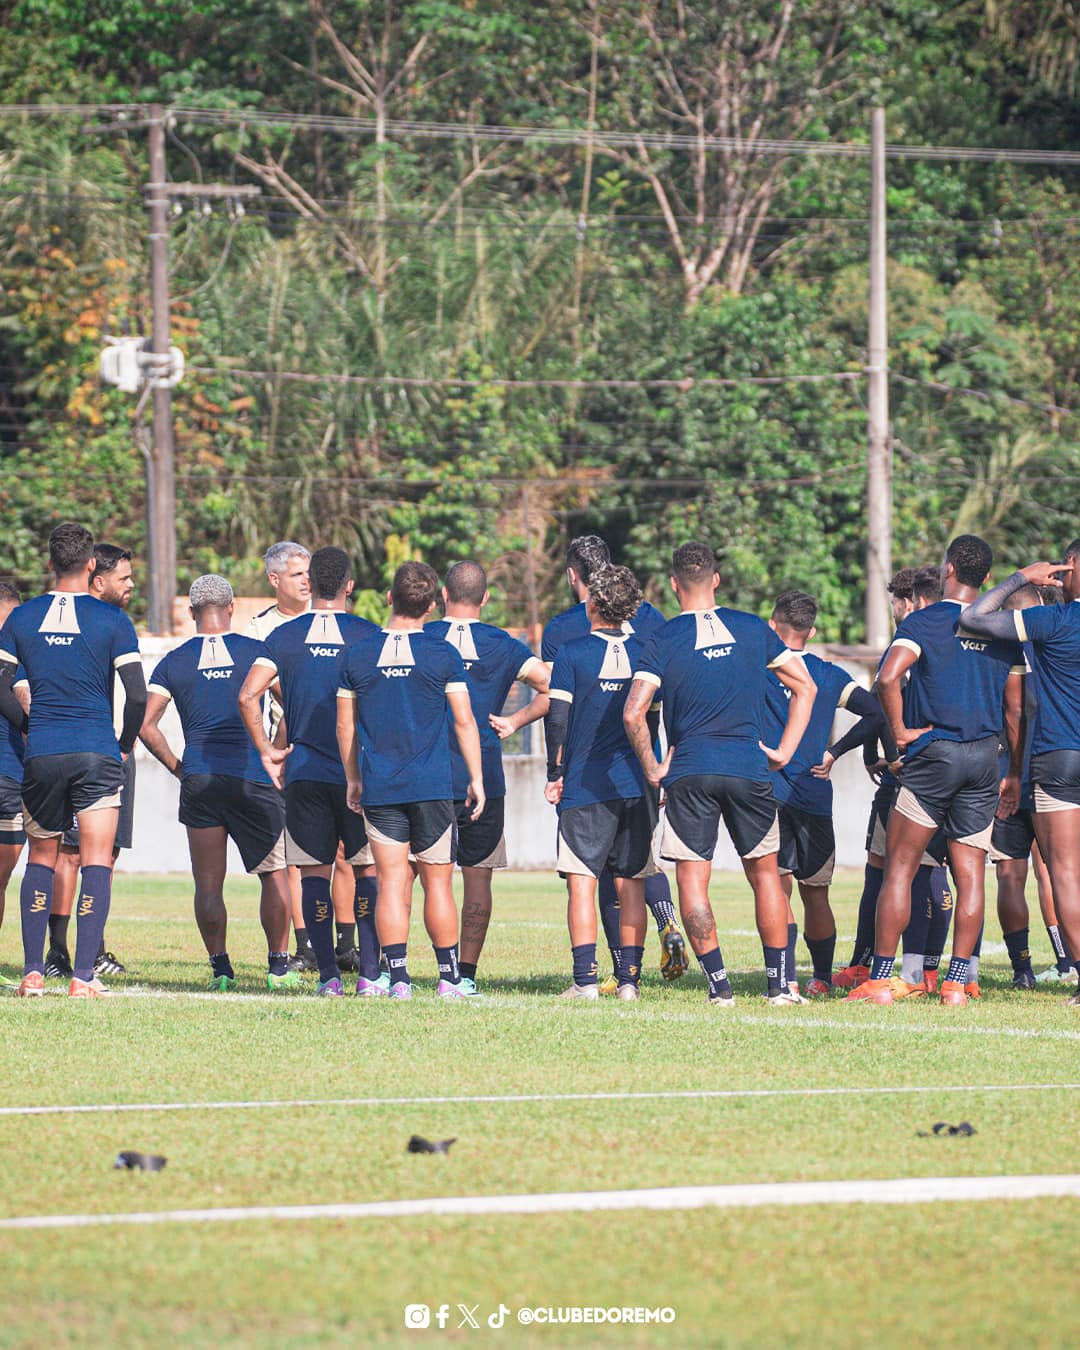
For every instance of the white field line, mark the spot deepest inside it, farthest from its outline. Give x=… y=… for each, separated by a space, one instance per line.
x=901 y=1190
x=687 y=1094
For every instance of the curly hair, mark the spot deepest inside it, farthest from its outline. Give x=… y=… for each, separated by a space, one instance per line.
x=615 y=593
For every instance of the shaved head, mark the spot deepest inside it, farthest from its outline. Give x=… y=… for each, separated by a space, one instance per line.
x=466 y=584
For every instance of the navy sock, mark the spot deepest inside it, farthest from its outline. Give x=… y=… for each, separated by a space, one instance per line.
x=776 y=972
x=92 y=907
x=367 y=938
x=277 y=963
x=608 y=901
x=395 y=960
x=585 y=963
x=58 y=927
x=941 y=908
x=446 y=958
x=1062 y=955
x=467 y=970
x=319 y=923
x=882 y=967
x=712 y=963
x=958 y=970
x=35 y=901
x=630 y=972
x=918 y=929
x=1016 y=944
x=822 y=951
x=864 y=933
x=792 y=940
x=221 y=965
x=346 y=935
x=658 y=898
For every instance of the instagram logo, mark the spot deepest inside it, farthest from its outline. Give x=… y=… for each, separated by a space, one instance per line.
x=417 y=1316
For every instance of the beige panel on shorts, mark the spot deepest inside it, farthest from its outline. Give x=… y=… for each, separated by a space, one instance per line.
x=770 y=842
x=568 y=861
x=1045 y=804
x=274 y=860
x=979 y=840
x=672 y=847
x=909 y=806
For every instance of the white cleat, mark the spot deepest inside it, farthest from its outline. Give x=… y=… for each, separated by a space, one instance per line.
x=589 y=992
x=787 y=998
x=628 y=993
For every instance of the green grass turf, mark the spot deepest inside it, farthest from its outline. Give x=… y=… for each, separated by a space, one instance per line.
x=752 y=1277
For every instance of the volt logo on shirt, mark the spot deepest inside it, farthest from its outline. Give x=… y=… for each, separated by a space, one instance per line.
x=970 y=645
x=715 y=652
x=396 y=672
x=612 y=686
x=217 y=674
x=54 y=641
x=323 y=651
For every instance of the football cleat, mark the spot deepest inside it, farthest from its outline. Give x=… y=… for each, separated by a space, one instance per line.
x=673 y=959
x=901 y=989
x=107 y=964
x=953 y=994
x=348 y=960
x=1054 y=976
x=303 y=961
x=401 y=990
x=464 y=989
x=872 y=991
x=628 y=993
x=930 y=979
x=88 y=989
x=330 y=989
x=786 y=998
x=372 y=988
x=58 y=964
x=818 y=988
x=851 y=977
x=33 y=985
x=1024 y=979
x=972 y=989
x=278 y=983
x=224 y=984
x=589 y=992
x=608 y=986
x=721 y=1000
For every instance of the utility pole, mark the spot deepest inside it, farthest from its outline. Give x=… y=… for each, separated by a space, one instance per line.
x=879 y=448
x=160 y=483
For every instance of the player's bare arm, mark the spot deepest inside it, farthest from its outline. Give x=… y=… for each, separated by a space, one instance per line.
x=258 y=680
x=349 y=748
x=538 y=678
x=1015 y=735
x=468 y=739
x=898 y=661
x=154 y=738
x=794 y=676
x=639 y=701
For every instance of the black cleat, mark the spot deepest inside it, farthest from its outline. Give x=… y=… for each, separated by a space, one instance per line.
x=107 y=964
x=1023 y=979
x=58 y=964
x=348 y=960
x=304 y=961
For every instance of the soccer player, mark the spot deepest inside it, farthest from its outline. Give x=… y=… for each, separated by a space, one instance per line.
x=587 y=553
x=1053 y=635
x=710 y=665
x=112 y=581
x=69 y=645
x=393 y=734
x=962 y=689
x=302 y=657
x=493 y=661
x=607 y=815
x=12 y=834
x=804 y=801
x=225 y=793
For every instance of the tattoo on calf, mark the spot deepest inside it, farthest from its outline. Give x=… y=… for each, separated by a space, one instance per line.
x=700 y=924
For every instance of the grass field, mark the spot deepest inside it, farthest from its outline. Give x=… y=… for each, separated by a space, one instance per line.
x=956 y=1273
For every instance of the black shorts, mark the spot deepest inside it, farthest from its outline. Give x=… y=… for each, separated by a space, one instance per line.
x=616 y=835
x=429 y=828
x=695 y=805
x=125 y=822
x=1012 y=838
x=878 y=826
x=251 y=814
x=317 y=819
x=1056 y=778
x=57 y=787
x=807 y=845
x=11 y=816
x=953 y=785
x=481 y=843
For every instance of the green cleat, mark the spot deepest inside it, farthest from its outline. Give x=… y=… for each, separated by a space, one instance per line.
x=290 y=980
x=224 y=984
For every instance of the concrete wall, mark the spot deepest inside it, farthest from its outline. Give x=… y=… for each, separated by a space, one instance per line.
x=160 y=842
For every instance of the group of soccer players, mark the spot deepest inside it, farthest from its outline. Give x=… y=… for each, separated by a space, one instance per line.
x=348 y=760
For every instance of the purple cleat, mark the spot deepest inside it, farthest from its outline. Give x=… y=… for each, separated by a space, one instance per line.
x=463 y=989
x=379 y=988
x=330 y=989
x=403 y=989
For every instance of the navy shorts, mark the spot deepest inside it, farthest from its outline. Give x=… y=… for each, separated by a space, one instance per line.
x=697 y=803
x=251 y=814
x=481 y=843
x=878 y=826
x=58 y=787
x=125 y=822
x=1055 y=775
x=807 y=846
x=617 y=835
x=953 y=786
x=429 y=828
x=317 y=819
x=11 y=816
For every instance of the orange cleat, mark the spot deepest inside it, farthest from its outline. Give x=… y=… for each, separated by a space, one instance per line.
x=901 y=989
x=953 y=994
x=972 y=990
x=851 y=977
x=88 y=989
x=930 y=979
x=33 y=985
x=872 y=991
x=818 y=989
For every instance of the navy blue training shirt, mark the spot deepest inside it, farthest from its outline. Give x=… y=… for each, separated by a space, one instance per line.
x=593 y=674
x=1053 y=632
x=957 y=684
x=574 y=623
x=11 y=742
x=203 y=677
x=400 y=679
x=710 y=667
x=794 y=784
x=493 y=660
x=305 y=653
x=69 y=644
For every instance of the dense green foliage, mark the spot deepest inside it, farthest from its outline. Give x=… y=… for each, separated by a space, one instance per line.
x=461 y=263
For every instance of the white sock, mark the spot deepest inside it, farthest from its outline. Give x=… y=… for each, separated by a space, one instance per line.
x=973 y=970
x=911 y=968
